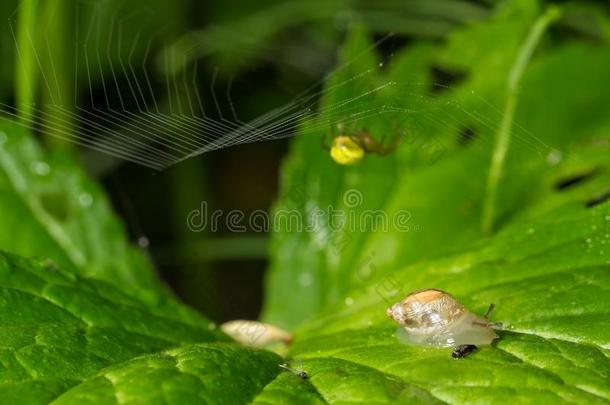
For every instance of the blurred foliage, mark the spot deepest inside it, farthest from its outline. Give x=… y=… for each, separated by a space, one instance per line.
x=547 y=269
x=60 y=214
x=6 y=47
x=449 y=214
x=91 y=322
x=242 y=42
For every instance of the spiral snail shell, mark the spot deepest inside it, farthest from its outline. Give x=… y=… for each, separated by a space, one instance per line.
x=433 y=317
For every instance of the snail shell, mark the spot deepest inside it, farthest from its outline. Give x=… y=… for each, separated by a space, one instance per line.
x=434 y=318
x=255 y=334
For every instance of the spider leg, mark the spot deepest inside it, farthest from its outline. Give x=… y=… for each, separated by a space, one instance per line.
x=391 y=147
x=397 y=137
x=341 y=128
x=382 y=139
x=325 y=145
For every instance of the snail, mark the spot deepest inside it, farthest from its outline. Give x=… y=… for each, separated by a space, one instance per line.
x=434 y=318
x=255 y=334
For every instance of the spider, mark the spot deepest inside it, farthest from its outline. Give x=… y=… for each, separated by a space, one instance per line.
x=349 y=149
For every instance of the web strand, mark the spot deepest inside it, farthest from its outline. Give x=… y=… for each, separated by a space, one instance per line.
x=134 y=114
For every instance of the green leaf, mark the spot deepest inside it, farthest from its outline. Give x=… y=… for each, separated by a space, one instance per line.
x=547 y=268
x=58 y=329
x=204 y=373
x=55 y=211
x=548 y=279
x=442 y=196
x=73 y=340
x=243 y=38
x=288 y=388
x=75 y=337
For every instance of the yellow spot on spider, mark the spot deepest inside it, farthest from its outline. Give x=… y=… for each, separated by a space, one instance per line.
x=346 y=151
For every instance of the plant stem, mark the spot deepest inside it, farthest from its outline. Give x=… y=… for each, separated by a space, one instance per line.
x=58 y=67
x=503 y=136
x=25 y=73
x=196 y=281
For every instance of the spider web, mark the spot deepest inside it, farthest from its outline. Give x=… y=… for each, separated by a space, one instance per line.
x=159 y=119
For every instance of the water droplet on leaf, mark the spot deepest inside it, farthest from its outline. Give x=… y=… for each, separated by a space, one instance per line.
x=85 y=199
x=554 y=157
x=143 y=242
x=305 y=279
x=40 y=168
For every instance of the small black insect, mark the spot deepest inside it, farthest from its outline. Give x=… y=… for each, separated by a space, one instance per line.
x=302 y=374
x=463 y=350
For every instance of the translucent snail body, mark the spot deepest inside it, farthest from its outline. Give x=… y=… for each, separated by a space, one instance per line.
x=434 y=318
